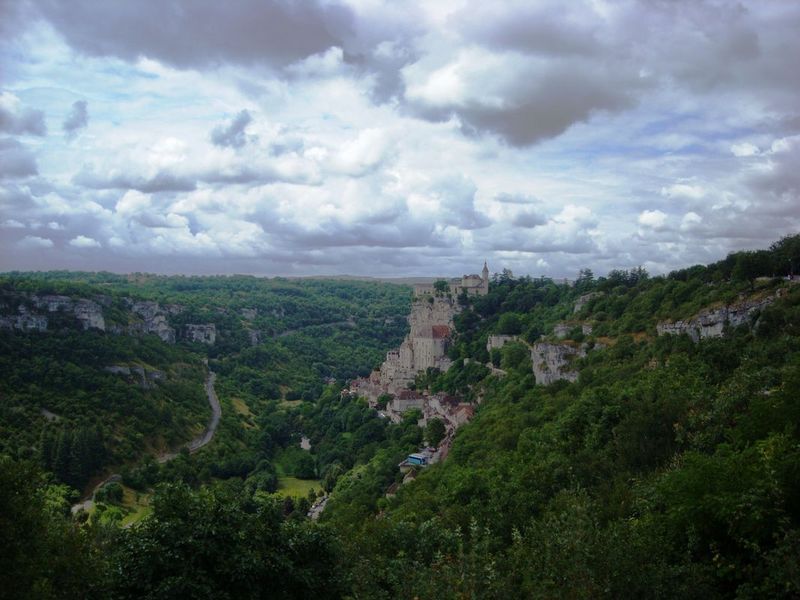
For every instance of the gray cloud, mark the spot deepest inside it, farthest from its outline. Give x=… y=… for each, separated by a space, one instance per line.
x=201 y=33
x=16 y=161
x=25 y=121
x=233 y=135
x=162 y=181
x=552 y=30
x=529 y=219
x=456 y=195
x=77 y=119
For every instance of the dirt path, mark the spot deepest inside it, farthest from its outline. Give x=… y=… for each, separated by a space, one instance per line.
x=193 y=445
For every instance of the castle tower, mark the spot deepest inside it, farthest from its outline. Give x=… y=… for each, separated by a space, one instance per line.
x=485 y=277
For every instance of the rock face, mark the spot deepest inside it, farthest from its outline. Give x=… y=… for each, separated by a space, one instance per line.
x=146 y=378
x=205 y=334
x=584 y=300
x=24 y=322
x=711 y=322
x=154 y=320
x=561 y=330
x=88 y=313
x=551 y=361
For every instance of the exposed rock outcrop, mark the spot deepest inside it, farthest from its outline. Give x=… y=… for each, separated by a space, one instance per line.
x=154 y=320
x=711 y=322
x=24 y=322
x=552 y=362
x=584 y=300
x=30 y=318
x=203 y=333
x=146 y=378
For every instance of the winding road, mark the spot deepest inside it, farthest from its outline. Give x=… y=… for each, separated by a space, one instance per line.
x=200 y=441
x=193 y=445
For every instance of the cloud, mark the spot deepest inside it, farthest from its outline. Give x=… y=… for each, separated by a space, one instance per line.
x=16 y=161
x=16 y=119
x=32 y=242
x=744 y=149
x=518 y=98
x=683 y=190
x=162 y=181
x=82 y=241
x=77 y=119
x=653 y=219
x=201 y=33
x=529 y=219
x=232 y=135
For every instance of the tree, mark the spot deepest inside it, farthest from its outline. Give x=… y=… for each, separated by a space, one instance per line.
x=222 y=543
x=787 y=254
x=509 y=324
x=441 y=287
x=750 y=265
x=434 y=431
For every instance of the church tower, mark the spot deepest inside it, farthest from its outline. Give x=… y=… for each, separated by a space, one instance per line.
x=485 y=277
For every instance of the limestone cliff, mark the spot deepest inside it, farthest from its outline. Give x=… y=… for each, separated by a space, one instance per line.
x=205 y=334
x=29 y=312
x=153 y=320
x=552 y=361
x=711 y=322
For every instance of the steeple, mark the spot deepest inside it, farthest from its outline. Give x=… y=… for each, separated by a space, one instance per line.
x=485 y=278
x=485 y=271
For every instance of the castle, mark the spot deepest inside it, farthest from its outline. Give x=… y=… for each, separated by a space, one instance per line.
x=476 y=285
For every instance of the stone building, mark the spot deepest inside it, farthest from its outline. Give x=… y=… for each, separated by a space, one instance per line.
x=474 y=285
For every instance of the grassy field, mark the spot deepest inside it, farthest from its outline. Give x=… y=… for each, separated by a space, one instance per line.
x=292 y=486
x=137 y=503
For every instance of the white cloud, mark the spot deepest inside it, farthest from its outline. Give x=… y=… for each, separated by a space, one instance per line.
x=744 y=149
x=32 y=242
x=82 y=241
x=683 y=190
x=690 y=221
x=653 y=219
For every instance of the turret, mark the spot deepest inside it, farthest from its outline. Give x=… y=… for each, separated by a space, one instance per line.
x=485 y=278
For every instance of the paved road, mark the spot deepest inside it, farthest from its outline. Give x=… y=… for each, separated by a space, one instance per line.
x=208 y=434
x=193 y=446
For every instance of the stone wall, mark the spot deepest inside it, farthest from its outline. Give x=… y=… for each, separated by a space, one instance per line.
x=498 y=341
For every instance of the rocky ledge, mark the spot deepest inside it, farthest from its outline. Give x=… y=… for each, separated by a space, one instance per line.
x=711 y=322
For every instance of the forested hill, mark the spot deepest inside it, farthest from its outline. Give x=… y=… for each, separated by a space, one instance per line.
x=669 y=468
x=98 y=369
x=634 y=436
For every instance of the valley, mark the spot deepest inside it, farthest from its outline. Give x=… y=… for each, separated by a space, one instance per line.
x=612 y=436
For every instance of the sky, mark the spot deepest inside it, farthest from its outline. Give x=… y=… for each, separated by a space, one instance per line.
x=385 y=138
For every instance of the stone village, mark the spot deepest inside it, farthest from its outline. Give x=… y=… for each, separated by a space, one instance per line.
x=431 y=328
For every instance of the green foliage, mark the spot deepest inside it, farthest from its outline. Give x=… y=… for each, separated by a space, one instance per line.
x=44 y=555
x=222 y=543
x=434 y=431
